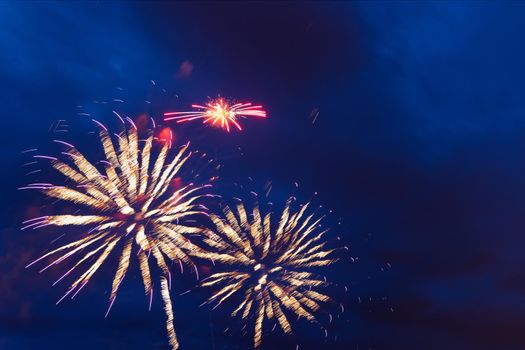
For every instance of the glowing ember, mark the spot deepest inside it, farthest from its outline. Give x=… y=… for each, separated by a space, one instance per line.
x=218 y=113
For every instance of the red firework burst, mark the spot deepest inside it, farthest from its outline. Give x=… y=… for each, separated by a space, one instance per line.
x=218 y=113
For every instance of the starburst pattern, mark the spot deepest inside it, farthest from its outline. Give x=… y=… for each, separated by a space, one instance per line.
x=128 y=208
x=218 y=113
x=270 y=263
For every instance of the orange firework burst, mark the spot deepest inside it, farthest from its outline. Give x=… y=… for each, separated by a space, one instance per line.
x=219 y=113
x=270 y=263
x=127 y=209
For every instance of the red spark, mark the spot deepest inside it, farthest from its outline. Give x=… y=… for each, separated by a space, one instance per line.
x=185 y=70
x=165 y=136
x=219 y=113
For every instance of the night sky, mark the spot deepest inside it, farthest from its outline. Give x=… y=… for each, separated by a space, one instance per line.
x=418 y=148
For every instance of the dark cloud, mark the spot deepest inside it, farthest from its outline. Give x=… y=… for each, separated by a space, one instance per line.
x=418 y=147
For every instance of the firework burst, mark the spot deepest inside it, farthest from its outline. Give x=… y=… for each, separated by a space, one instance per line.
x=271 y=263
x=218 y=113
x=128 y=209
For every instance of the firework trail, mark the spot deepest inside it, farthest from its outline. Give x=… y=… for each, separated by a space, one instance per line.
x=128 y=210
x=271 y=262
x=219 y=113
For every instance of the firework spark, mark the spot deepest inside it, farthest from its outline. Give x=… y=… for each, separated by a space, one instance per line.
x=219 y=113
x=129 y=209
x=271 y=264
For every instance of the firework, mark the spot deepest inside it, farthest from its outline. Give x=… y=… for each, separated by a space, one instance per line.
x=218 y=113
x=271 y=261
x=129 y=209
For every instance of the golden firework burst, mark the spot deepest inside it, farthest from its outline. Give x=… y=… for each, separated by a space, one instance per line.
x=271 y=263
x=128 y=206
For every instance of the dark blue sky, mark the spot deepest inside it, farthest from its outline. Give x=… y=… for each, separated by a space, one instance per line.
x=418 y=147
